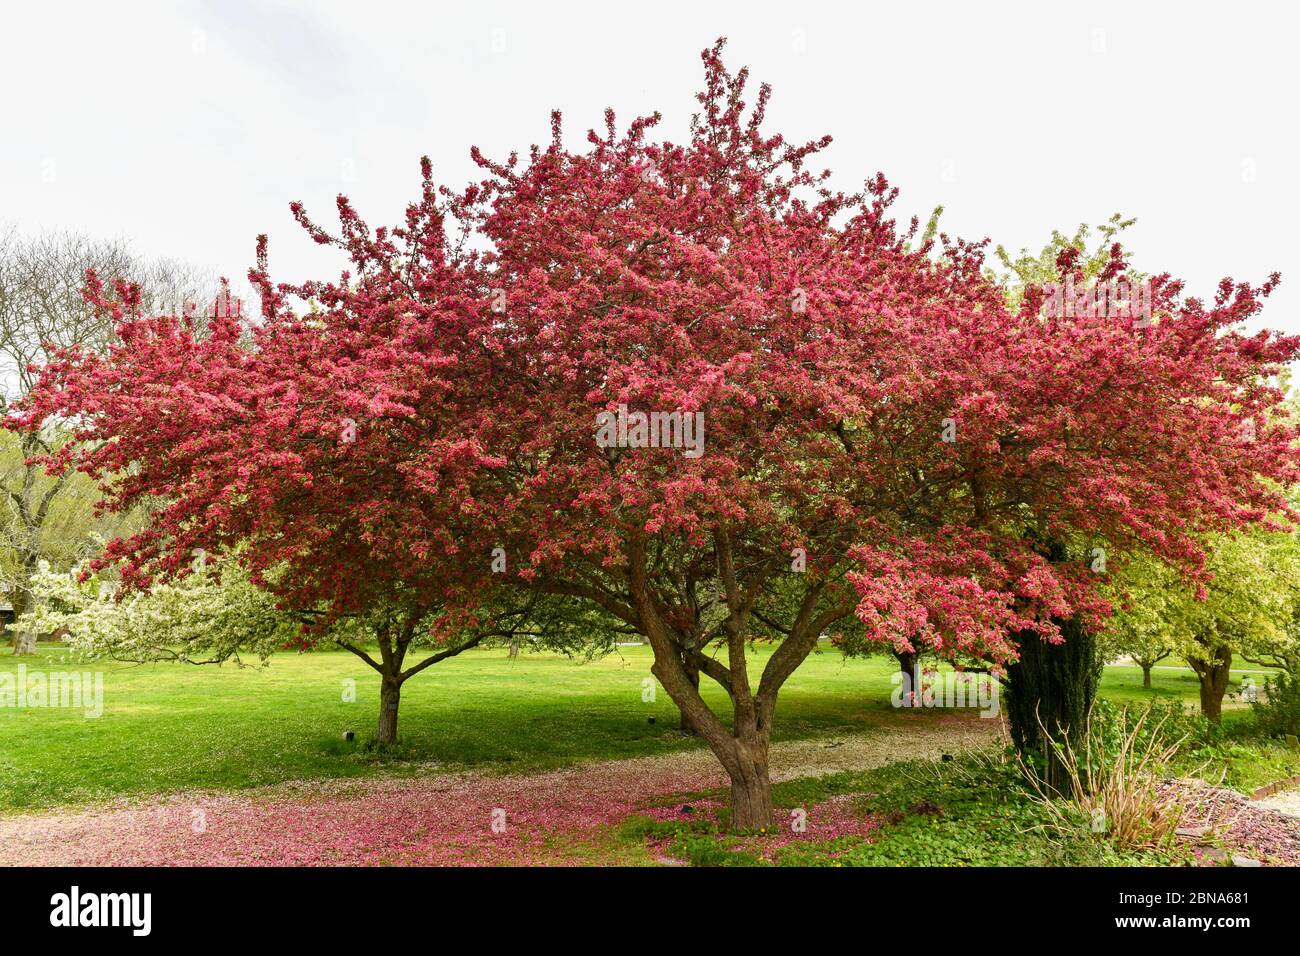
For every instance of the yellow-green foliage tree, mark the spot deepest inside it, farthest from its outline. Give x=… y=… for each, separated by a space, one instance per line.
x=1247 y=609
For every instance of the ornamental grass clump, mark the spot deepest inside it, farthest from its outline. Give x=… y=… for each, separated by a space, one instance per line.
x=1112 y=781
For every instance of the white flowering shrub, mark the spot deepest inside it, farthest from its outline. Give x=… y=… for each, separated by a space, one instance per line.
x=213 y=615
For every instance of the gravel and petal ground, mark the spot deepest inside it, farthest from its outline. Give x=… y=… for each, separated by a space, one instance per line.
x=442 y=818
x=1267 y=831
x=563 y=817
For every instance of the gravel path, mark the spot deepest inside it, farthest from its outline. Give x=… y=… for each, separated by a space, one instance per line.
x=439 y=818
x=1284 y=801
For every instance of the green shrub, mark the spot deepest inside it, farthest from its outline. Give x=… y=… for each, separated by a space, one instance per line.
x=1277 y=711
x=1159 y=724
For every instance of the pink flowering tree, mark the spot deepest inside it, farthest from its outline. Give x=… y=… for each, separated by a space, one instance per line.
x=1120 y=431
x=741 y=406
x=719 y=384
x=691 y=389
x=332 y=450
x=1077 y=435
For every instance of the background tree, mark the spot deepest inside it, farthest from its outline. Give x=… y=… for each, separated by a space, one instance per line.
x=1028 y=271
x=1244 y=609
x=1137 y=634
x=51 y=517
x=217 y=615
x=330 y=449
x=211 y=617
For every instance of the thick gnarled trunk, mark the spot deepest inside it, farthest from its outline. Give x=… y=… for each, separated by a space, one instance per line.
x=1050 y=690
x=25 y=642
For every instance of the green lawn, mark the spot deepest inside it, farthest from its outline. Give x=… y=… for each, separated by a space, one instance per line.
x=1123 y=684
x=168 y=727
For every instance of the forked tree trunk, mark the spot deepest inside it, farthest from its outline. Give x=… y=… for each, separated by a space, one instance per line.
x=742 y=751
x=742 y=748
x=1214 y=682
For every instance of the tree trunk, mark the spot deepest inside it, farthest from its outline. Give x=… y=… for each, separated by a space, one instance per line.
x=390 y=693
x=751 y=790
x=26 y=642
x=1214 y=682
x=392 y=654
x=514 y=648
x=24 y=638
x=688 y=729
x=1146 y=676
x=1051 y=687
x=742 y=748
x=1050 y=690
x=911 y=677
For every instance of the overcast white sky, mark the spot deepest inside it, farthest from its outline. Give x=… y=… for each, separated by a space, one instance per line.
x=187 y=128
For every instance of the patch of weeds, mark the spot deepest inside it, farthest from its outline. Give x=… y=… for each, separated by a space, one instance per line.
x=708 y=850
x=699 y=840
x=1242 y=764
